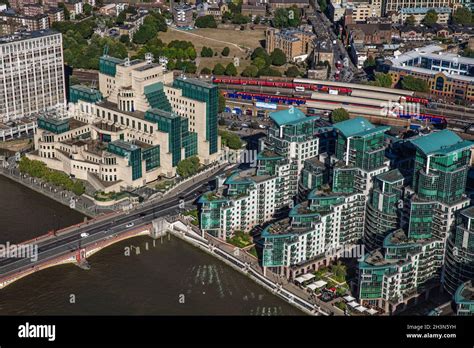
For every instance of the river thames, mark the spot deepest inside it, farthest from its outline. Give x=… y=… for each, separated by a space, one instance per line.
x=162 y=277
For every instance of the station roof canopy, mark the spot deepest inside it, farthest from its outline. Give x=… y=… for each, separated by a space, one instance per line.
x=349 y=298
x=441 y=142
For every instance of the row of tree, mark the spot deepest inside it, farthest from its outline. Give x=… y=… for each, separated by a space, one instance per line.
x=39 y=169
x=407 y=82
x=188 y=166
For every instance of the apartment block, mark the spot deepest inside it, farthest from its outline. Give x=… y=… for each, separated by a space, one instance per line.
x=409 y=261
x=31 y=73
x=293 y=42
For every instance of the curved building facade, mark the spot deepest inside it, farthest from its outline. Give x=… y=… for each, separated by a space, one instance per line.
x=382 y=213
x=459 y=263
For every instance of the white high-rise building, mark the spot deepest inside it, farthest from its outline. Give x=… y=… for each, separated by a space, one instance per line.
x=31 y=73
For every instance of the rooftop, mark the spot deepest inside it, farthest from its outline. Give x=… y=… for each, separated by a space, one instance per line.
x=358 y=126
x=195 y=81
x=424 y=10
x=469 y=212
x=27 y=36
x=465 y=292
x=441 y=142
x=391 y=176
x=290 y=116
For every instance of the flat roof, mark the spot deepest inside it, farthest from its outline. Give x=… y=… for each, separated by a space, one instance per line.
x=391 y=176
x=27 y=35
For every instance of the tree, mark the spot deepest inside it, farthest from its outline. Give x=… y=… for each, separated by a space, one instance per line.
x=240 y=19
x=207 y=52
x=292 y=71
x=267 y=71
x=218 y=69
x=205 y=22
x=67 y=14
x=382 y=80
x=414 y=84
x=431 y=18
x=225 y=51
x=259 y=52
x=188 y=166
x=250 y=71
x=124 y=39
x=230 y=70
x=257 y=20
x=231 y=140
x=323 y=5
x=339 y=115
x=410 y=21
x=221 y=105
x=462 y=16
x=278 y=57
x=87 y=8
x=259 y=62
x=284 y=18
x=206 y=71
x=369 y=62
x=152 y=24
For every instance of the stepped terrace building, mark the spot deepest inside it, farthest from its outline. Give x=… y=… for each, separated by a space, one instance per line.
x=138 y=127
x=410 y=259
x=246 y=200
x=359 y=155
x=459 y=263
x=335 y=207
x=383 y=211
x=255 y=196
x=313 y=232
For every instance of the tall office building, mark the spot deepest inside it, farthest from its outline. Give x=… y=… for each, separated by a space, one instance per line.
x=31 y=73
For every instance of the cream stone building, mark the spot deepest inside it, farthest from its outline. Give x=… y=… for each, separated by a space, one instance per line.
x=137 y=127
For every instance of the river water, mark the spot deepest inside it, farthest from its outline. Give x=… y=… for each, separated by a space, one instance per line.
x=165 y=277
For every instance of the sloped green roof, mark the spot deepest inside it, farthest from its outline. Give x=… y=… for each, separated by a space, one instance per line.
x=288 y=116
x=358 y=126
x=441 y=142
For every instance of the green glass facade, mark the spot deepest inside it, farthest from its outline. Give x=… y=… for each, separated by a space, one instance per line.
x=108 y=65
x=343 y=180
x=383 y=208
x=208 y=93
x=459 y=263
x=179 y=135
x=78 y=92
x=56 y=126
x=130 y=151
x=156 y=97
x=151 y=156
x=364 y=143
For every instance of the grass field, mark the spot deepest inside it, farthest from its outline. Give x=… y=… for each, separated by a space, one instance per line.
x=240 y=43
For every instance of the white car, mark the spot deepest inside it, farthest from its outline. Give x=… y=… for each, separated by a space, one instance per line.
x=84 y=235
x=130 y=224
